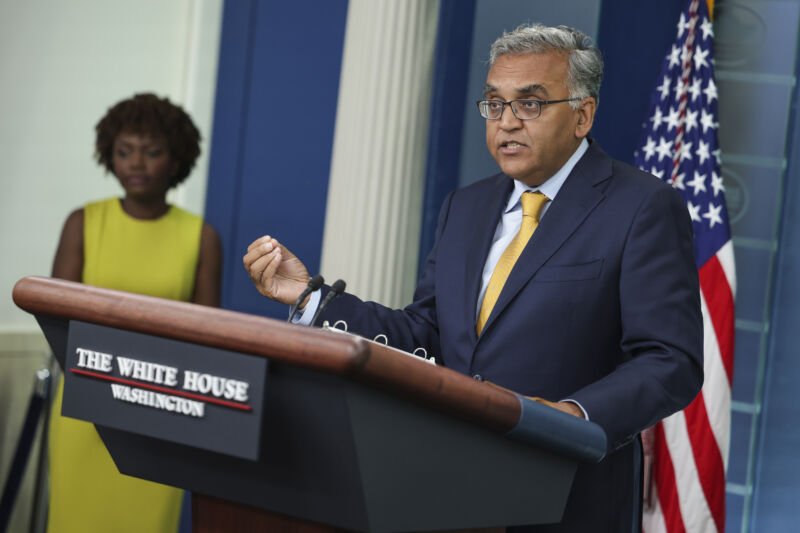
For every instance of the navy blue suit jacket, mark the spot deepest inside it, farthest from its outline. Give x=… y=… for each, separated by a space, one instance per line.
x=602 y=307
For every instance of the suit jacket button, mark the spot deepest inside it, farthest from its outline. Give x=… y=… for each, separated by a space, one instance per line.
x=477 y=377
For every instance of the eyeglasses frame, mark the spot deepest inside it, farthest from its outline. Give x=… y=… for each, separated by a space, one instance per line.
x=542 y=103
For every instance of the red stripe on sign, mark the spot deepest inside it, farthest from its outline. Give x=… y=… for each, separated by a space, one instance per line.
x=664 y=476
x=217 y=401
x=719 y=299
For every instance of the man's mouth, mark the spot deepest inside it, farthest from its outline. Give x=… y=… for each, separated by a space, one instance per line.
x=511 y=147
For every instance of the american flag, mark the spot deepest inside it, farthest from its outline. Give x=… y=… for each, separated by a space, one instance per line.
x=679 y=145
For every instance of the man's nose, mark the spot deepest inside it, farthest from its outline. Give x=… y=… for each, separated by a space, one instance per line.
x=508 y=120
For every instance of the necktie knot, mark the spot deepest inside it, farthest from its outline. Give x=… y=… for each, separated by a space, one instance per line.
x=532 y=203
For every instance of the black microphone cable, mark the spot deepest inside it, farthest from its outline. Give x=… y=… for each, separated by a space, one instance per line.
x=336 y=289
x=313 y=284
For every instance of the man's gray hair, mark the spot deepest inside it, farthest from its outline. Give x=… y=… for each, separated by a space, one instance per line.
x=585 y=71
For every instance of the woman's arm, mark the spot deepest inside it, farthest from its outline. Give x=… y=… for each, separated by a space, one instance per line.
x=207 y=284
x=68 y=263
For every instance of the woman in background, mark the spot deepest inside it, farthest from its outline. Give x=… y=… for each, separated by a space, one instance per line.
x=138 y=243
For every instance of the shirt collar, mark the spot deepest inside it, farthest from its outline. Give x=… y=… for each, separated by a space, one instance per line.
x=551 y=186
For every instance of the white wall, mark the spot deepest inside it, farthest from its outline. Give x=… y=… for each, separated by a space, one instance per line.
x=62 y=65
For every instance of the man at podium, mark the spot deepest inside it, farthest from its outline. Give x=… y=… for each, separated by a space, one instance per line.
x=569 y=277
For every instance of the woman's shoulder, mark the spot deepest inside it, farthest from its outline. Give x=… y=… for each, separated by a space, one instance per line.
x=73 y=225
x=184 y=214
x=75 y=217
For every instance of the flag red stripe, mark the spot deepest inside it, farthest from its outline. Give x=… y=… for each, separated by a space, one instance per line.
x=707 y=458
x=664 y=476
x=719 y=299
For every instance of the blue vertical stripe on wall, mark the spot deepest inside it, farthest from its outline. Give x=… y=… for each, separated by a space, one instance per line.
x=634 y=37
x=451 y=69
x=274 y=118
x=230 y=120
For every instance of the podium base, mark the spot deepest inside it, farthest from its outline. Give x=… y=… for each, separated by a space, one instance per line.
x=213 y=515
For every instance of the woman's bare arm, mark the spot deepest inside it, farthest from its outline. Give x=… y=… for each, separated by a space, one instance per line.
x=68 y=263
x=208 y=280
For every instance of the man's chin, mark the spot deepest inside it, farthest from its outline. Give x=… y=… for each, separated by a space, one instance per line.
x=511 y=170
x=527 y=179
x=514 y=172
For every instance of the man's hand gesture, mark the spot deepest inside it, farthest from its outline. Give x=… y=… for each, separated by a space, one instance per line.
x=275 y=271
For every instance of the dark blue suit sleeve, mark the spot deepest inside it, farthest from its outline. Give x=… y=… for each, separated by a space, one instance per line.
x=406 y=329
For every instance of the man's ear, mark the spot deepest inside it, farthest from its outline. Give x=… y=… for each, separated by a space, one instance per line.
x=586 y=111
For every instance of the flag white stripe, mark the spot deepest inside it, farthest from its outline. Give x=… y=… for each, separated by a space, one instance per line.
x=653 y=519
x=726 y=259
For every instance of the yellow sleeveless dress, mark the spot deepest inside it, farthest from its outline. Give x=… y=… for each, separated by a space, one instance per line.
x=154 y=257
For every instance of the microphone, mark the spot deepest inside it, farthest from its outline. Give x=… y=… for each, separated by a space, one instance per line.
x=313 y=284
x=336 y=289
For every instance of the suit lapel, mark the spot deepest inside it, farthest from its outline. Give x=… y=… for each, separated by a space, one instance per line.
x=482 y=223
x=576 y=199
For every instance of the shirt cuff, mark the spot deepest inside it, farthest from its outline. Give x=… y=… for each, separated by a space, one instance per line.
x=585 y=414
x=304 y=316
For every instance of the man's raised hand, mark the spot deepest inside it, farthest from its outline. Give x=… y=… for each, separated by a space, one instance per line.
x=275 y=271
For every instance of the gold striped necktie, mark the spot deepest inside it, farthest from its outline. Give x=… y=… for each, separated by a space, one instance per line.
x=532 y=203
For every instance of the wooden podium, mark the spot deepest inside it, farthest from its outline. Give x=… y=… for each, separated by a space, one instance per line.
x=354 y=435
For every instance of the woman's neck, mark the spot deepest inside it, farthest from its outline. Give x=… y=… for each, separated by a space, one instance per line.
x=148 y=209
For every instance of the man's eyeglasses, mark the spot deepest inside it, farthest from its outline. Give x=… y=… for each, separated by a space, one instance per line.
x=522 y=109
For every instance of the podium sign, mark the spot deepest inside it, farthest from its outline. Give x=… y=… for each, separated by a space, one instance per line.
x=172 y=390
